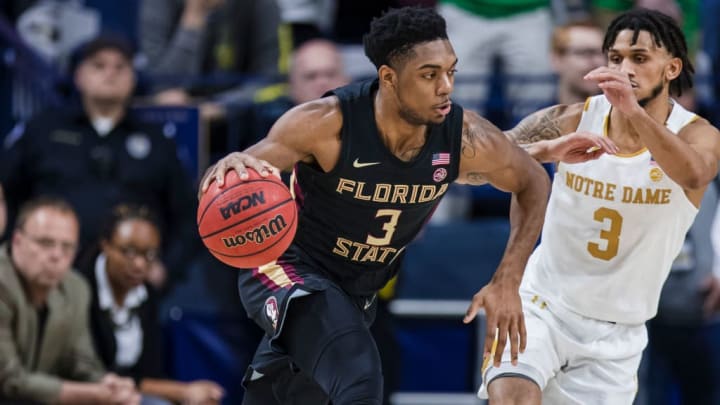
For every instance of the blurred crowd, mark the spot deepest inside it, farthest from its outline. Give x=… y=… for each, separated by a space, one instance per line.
x=97 y=207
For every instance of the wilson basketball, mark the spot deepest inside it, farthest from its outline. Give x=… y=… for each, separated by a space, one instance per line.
x=247 y=223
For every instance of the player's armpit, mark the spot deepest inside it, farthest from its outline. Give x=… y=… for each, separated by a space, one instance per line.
x=548 y=123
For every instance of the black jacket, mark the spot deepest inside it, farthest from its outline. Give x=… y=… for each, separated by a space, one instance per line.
x=150 y=364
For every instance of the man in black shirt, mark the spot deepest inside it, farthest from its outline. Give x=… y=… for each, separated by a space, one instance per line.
x=372 y=160
x=95 y=156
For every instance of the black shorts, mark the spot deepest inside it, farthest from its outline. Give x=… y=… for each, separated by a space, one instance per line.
x=268 y=292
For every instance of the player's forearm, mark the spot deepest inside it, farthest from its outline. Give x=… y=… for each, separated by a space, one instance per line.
x=527 y=212
x=539 y=151
x=677 y=159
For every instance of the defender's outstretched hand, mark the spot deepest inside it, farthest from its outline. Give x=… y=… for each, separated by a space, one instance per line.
x=239 y=162
x=505 y=320
x=579 y=147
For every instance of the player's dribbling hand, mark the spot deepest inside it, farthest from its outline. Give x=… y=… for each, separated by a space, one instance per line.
x=239 y=162
x=617 y=87
x=579 y=147
x=503 y=312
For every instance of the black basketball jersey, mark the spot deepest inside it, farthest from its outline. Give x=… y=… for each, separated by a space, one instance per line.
x=356 y=219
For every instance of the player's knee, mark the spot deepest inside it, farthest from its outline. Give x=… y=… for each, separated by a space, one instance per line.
x=361 y=381
x=505 y=390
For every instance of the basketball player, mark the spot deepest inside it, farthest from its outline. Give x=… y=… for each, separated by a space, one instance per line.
x=371 y=162
x=613 y=225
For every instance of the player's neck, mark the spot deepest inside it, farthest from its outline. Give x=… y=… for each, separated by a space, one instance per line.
x=401 y=137
x=619 y=125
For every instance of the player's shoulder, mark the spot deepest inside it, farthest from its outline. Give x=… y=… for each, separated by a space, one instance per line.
x=312 y=121
x=699 y=126
x=324 y=111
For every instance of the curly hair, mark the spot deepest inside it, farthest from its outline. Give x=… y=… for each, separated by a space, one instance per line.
x=665 y=32
x=393 y=35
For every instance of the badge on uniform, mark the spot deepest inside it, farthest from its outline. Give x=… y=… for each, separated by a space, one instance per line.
x=138 y=145
x=271 y=311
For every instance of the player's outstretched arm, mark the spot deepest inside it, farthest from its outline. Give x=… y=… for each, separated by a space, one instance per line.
x=308 y=132
x=690 y=158
x=548 y=136
x=488 y=156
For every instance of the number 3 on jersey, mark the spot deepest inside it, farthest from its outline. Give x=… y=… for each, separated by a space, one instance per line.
x=388 y=227
x=612 y=235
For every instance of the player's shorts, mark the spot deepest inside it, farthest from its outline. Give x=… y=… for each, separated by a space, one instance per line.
x=573 y=359
x=268 y=292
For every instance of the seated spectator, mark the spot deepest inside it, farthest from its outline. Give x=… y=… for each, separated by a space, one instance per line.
x=315 y=68
x=183 y=40
x=576 y=50
x=45 y=347
x=123 y=315
x=95 y=155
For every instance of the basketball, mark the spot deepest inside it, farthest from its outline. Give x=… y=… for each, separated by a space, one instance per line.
x=247 y=223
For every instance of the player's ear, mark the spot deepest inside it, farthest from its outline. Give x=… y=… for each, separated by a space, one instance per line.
x=673 y=69
x=387 y=77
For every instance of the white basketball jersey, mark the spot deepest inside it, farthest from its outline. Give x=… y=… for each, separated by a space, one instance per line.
x=612 y=229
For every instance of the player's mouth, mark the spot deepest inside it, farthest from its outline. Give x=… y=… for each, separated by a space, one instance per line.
x=443 y=108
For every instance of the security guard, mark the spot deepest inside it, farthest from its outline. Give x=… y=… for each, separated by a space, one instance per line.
x=95 y=155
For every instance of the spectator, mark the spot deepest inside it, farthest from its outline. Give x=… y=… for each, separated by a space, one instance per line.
x=517 y=33
x=189 y=38
x=45 y=346
x=316 y=67
x=123 y=314
x=96 y=155
x=576 y=50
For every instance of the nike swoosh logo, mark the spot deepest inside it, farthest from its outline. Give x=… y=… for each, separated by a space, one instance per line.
x=359 y=165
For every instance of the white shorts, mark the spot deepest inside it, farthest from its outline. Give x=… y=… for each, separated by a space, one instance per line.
x=574 y=359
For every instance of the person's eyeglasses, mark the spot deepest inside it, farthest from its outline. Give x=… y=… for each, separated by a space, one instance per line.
x=132 y=253
x=45 y=243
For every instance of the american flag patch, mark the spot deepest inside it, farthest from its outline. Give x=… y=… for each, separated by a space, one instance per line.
x=440 y=159
x=652 y=161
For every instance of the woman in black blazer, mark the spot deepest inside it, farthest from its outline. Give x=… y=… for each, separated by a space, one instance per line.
x=123 y=312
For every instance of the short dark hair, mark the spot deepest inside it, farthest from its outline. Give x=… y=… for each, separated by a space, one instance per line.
x=665 y=32
x=30 y=207
x=393 y=35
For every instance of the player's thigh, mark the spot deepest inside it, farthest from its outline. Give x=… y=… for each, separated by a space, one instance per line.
x=595 y=382
x=317 y=320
